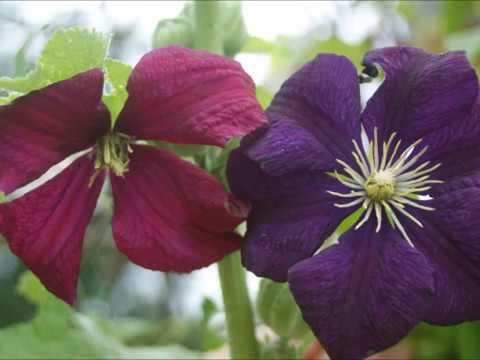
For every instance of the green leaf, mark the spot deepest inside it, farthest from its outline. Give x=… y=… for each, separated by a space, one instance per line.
x=278 y=309
x=67 y=53
x=51 y=334
x=211 y=339
x=467 y=335
x=433 y=342
x=209 y=308
x=117 y=74
x=279 y=349
x=32 y=289
x=58 y=332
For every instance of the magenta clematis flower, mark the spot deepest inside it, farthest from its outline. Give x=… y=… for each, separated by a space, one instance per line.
x=410 y=159
x=169 y=215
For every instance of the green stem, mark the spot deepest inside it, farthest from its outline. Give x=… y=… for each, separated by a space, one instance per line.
x=208 y=33
x=238 y=307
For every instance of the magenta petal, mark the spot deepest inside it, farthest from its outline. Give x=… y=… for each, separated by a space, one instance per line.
x=40 y=129
x=421 y=93
x=45 y=227
x=170 y=215
x=364 y=294
x=189 y=96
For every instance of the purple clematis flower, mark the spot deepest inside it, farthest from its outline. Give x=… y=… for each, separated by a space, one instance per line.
x=410 y=160
x=169 y=214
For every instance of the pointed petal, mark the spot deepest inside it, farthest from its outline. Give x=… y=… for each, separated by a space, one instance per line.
x=42 y=128
x=365 y=294
x=450 y=239
x=191 y=97
x=291 y=215
x=170 y=215
x=421 y=92
x=45 y=227
x=313 y=118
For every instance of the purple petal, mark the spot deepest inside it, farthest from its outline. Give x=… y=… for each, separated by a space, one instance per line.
x=313 y=118
x=171 y=215
x=450 y=239
x=191 y=97
x=456 y=147
x=421 y=93
x=291 y=215
x=42 y=128
x=45 y=227
x=364 y=294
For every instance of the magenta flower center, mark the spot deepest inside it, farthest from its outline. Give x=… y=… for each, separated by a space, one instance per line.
x=388 y=182
x=112 y=153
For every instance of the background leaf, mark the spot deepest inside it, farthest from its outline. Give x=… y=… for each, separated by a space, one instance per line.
x=67 y=53
x=117 y=74
x=58 y=332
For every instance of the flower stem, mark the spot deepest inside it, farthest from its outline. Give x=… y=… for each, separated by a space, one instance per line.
x=238 y=308
x=208 y=34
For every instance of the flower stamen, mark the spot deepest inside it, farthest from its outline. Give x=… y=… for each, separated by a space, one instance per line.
x=383 y=183
x=112 y=153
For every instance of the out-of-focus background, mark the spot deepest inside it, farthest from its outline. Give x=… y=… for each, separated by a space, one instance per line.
x=127 y=311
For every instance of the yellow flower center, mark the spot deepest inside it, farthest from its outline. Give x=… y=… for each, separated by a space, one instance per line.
x=386 y=181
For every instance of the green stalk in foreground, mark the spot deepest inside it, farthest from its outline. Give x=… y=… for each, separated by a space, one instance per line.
x=238 y=308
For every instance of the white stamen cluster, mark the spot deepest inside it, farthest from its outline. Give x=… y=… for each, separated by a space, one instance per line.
x=388 y=182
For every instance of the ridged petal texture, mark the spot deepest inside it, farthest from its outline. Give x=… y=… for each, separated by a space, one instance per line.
x=171 y=215
x=46 y=226
x=312 y=119
x=450 y=240
x=422 y=92
x=189 y=96
x=364 y=294
x=42 y=128
x=456 y=147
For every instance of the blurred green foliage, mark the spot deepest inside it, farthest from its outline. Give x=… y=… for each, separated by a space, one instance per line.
x=67 y=53
x=277 y=308
x=180 y=30
x=57 y=331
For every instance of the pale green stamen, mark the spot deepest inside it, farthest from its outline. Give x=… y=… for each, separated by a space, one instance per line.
x=112 y=153
x=383 y=182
